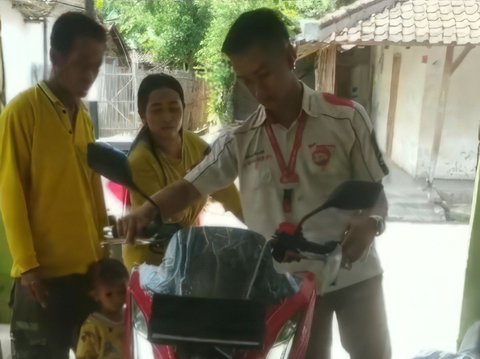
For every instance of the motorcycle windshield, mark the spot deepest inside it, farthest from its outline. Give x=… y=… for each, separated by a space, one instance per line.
x=218 y=262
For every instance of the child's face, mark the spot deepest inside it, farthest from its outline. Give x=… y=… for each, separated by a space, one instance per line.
x=111 y=297
x=164 y=113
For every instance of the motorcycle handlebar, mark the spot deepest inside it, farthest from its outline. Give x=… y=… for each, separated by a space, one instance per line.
x=295 y=242
x=157 y=232
x=160 y=233
x=317 y=248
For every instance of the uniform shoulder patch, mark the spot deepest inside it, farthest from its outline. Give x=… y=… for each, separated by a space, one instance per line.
x=335 y=100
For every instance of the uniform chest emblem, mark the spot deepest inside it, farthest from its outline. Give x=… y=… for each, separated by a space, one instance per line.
x=322 y=154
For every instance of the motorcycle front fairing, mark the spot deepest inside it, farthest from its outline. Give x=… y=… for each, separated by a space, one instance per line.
x=217 y=262
x=229 y=264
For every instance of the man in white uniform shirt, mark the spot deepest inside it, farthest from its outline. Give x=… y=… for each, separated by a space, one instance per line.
x=289 y=155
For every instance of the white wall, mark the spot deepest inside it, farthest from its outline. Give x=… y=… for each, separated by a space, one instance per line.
x=458 y=146
x=419 y=91
x=382 y=67
x=458 y=149
x=22 y=47
x=433 y=83
x=409 y=102
x=410 y=97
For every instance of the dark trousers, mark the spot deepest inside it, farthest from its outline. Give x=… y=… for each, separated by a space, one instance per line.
x=49 y=333
x=362 y=322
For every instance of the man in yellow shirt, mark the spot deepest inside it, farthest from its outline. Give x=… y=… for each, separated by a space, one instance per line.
x=51 y=202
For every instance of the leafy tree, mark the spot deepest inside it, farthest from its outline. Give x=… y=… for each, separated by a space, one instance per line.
x=305 y=8
x=170 y=30
x=214 y=66
x=188 y=34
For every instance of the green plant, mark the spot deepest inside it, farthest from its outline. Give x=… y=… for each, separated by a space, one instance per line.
x=171 y=30
x=214 y=66
x=188 y=34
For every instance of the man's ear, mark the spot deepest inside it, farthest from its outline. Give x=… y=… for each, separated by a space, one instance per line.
x=56 y=57
x=291 y=56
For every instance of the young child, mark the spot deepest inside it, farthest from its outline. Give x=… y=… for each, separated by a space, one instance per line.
x=101 y=335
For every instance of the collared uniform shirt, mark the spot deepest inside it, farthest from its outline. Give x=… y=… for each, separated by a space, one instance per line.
x=338 y=145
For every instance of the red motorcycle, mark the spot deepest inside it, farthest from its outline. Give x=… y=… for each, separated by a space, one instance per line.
x=216 y=293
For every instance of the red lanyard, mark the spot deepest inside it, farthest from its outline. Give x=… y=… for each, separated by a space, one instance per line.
x=289 y=175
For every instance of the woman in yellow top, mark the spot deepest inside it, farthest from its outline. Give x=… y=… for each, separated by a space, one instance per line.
x=163 y=153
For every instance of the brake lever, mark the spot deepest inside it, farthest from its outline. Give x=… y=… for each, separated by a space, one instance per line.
x=117 y=241
x=314 y=257
x=158 y=246
x=155 y=234
x=161 y=234
x=287 y=238
x=149 y=232
x=335 y=248
x=319 y=249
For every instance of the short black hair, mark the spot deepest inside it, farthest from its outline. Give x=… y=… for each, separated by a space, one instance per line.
x=154 y=82
x=71 y=26
x=106 y=271
x=260 y=27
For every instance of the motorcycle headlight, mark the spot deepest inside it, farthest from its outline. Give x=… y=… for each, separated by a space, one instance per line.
x=283 y=345
x=142 y=348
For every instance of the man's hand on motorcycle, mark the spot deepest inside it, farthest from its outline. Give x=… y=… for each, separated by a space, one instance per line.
x=33 y=282
x=292 y=256
x=132 y=225
x=358 y=238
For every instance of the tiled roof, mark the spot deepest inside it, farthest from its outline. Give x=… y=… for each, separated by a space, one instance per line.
x=37 y=9
x=417 y=21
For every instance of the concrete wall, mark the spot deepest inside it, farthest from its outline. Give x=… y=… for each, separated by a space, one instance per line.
x=382 y=66
x=22 y=48
x=409 y=103
x=433 y=83
x=458 y=150
x=353 y=75
x=419 y=90
x=408 y=114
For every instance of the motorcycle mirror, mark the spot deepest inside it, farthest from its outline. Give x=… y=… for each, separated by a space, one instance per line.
x=350 y=195
x=354 y=195
x=110 y=163
x=113 y=164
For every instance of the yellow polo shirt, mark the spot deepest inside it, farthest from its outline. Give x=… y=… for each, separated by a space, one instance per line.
x=52 y=203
